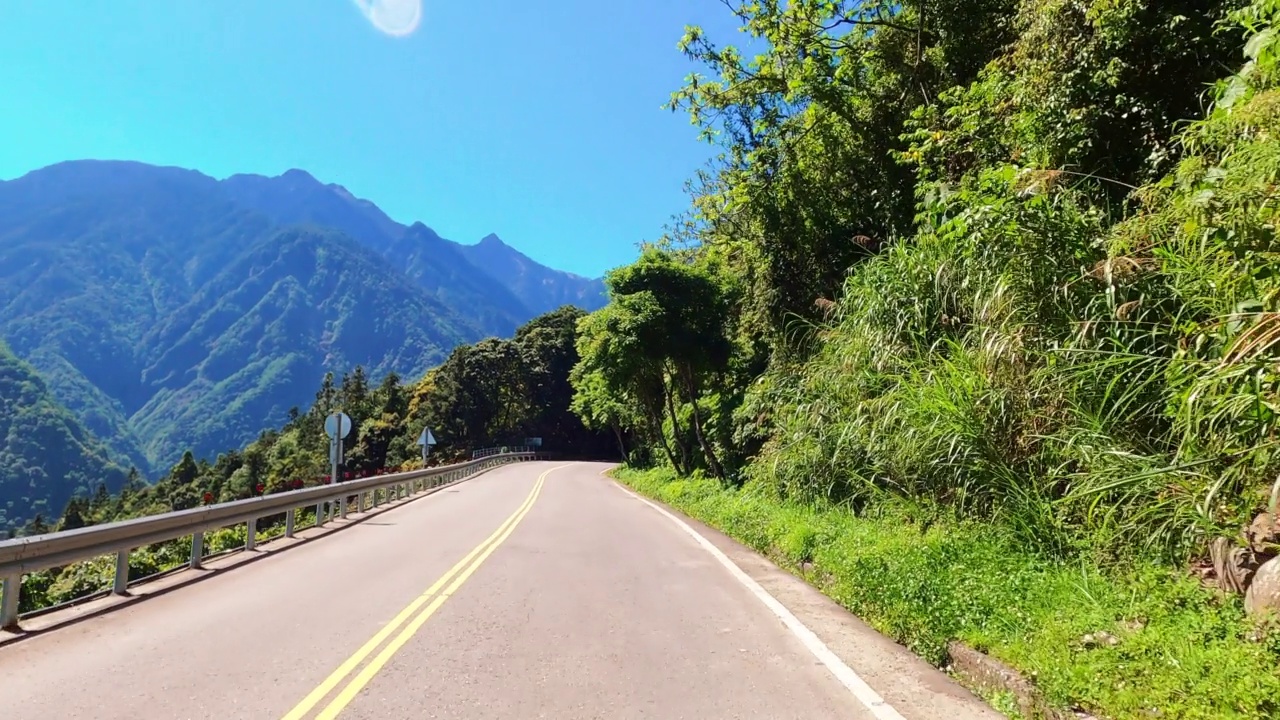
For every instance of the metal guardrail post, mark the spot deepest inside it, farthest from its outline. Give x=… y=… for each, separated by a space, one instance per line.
x=11 y=587
x=289 y=522
x=251 y=537
x=342 y=505
x=319 y=514
x=121 y=584
x=197 y=550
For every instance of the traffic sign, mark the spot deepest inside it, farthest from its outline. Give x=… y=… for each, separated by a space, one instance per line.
x=337 y=425
x=426 y=440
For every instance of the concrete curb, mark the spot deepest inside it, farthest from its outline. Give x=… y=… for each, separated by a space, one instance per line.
x=983 y=673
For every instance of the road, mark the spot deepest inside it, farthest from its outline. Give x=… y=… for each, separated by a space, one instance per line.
x=586 y=602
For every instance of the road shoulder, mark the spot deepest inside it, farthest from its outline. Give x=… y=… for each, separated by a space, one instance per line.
x=907 y=683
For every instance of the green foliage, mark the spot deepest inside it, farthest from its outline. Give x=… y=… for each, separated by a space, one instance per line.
x=502 y=391
x=46 y=457
x=1179 y=650
x=661 y=342
x=809 y=183
x=170 y=311
x=1001 y=304
x=1035 y=344
x=1087 y=87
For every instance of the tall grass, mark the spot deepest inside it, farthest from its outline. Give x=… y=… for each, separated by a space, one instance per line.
x=1099 y=386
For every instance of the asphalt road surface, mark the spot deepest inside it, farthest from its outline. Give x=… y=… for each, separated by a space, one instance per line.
x=536 y=590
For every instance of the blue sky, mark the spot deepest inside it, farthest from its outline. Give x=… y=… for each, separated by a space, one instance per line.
x=540 y=121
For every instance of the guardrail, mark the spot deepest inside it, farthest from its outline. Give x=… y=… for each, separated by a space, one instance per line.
x=50 y=550
x=477 y=454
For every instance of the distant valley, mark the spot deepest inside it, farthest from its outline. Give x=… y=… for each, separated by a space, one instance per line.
x=166 y=310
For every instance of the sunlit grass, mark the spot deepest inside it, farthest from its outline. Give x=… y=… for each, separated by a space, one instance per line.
x=1165 y=643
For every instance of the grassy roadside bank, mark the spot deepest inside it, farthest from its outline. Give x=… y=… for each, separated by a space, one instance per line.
x=1138 y=642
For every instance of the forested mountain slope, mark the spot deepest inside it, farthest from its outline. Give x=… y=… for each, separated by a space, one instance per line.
x=46 y=455
x=172 y=311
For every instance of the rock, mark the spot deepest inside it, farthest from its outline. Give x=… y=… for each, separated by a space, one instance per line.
x=1264 y=534
x=1263 y=595
x=1233 y=565
x=1099 y=638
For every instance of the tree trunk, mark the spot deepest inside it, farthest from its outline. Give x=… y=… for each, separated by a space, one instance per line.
x=655 y=424
x=617 y=434
x=669 y=394
x=691 y=386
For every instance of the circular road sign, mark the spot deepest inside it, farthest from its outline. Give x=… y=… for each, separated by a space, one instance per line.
x=337 y=424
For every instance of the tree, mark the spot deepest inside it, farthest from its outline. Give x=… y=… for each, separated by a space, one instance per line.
x=601 y=407
x=186 y=471
x=37 y=526
x=686 y=331
x=73 y=516
x=548 y=348
x=659 y=342
x=613 y=366
x=133 y=483
x=810 y=182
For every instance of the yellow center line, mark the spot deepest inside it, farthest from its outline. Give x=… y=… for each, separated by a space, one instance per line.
x=323 y=689
x=357 y=684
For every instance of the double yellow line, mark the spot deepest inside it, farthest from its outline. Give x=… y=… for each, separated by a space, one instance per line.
x=462 y=571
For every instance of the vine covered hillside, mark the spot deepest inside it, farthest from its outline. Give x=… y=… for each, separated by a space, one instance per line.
x=1004 y=262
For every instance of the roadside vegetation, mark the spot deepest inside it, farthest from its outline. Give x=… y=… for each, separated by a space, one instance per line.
x=1127 y=641
x=978 y=312
x=975 y=321
x=492 y=393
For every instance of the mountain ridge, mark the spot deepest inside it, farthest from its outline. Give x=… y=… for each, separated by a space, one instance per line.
x=168 y=310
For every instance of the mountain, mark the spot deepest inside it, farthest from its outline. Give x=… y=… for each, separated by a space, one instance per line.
x=253 y=342
x=440 y=267
x=92 y=258
x=297 y=198
x=517 y=287
x=167 y=310
x=538 y=287
x=46 y=455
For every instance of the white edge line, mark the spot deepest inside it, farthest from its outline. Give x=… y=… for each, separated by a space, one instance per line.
x=845 y=674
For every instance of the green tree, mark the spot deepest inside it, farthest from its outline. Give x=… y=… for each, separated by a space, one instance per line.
x=186 y=471
x=74 y=515
x=37 y=526
x=660 y=342
x=681 y=330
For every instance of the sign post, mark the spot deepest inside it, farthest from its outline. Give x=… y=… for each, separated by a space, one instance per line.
x=426 y=440
x=337 y=426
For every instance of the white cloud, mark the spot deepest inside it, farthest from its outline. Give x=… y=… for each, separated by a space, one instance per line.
x=398 y=18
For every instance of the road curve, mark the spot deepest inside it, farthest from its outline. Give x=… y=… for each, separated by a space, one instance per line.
x=536 y=590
